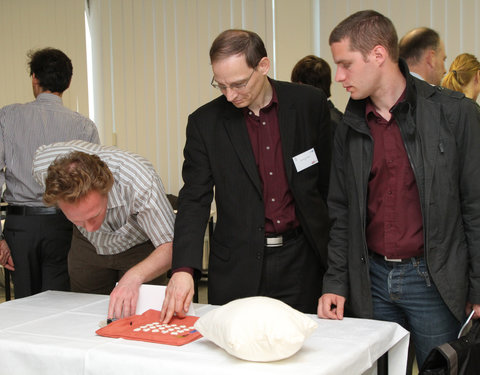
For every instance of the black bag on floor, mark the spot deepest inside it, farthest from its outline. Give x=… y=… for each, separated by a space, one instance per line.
x=458 y=357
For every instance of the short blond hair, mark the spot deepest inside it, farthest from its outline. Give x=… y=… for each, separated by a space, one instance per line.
x=72 y=176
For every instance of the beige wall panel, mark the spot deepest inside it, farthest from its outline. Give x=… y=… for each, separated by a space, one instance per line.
x=31 y=24
x=293 y=35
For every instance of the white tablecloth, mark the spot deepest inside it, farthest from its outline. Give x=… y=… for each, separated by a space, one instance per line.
x=54 y=333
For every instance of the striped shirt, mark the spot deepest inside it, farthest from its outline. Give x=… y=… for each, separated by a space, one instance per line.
x=137 y=210
x=24 y=128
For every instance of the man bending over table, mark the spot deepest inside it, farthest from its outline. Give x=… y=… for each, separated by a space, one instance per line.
x=123 y=221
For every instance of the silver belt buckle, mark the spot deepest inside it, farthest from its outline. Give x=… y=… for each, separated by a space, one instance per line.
x=391 y=259
x=274 y=241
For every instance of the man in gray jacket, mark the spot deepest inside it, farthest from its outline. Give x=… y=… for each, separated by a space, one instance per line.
x=404 y=193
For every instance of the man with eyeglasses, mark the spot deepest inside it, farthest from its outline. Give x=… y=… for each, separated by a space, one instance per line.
x=264 y=147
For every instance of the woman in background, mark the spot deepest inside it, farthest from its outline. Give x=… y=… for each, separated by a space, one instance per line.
x=464 y=76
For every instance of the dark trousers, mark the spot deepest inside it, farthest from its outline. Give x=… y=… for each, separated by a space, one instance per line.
x=293 y=274
x=94 y=273
x=39 y=246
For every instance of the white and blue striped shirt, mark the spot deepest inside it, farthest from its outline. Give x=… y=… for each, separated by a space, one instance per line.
x=137 y=209
x=24 y=128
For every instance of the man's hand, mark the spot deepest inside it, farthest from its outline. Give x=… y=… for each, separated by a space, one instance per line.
x=471 y=307
x=5 y=256
x=330 y=306
x=124 y=297
x=178 y=296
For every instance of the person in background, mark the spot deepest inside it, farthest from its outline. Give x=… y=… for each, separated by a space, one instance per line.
x=424 y=52
x=464 y=76
x=123 y=221
x=264 y=147
x=404 y=193
x=36 y=239
x=315 y=71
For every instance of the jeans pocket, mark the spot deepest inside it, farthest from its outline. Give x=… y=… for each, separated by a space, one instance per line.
x=422 y=271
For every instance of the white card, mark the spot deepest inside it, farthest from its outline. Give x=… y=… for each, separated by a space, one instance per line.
x=305 y=159
x=151 y=297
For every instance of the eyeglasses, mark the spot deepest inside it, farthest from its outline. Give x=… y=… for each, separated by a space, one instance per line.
x=235 y=86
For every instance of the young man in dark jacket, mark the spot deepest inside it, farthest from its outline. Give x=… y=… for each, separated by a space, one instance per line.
x=404 y=193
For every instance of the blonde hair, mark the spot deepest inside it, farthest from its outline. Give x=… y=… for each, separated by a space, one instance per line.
x=461 y=72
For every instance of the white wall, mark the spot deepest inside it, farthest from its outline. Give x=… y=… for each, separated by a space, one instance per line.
x=151 y=56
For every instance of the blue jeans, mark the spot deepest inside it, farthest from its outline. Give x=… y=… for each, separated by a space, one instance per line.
x=403 y=293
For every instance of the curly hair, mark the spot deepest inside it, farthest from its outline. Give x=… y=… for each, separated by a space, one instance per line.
x=72 y=176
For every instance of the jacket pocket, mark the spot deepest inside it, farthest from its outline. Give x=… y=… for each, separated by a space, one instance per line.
x=220 y=251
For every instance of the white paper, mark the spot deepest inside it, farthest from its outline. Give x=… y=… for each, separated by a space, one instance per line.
x=305 y=159
x=151 y=297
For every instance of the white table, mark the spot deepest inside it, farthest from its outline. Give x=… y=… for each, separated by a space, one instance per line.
x=54 y=333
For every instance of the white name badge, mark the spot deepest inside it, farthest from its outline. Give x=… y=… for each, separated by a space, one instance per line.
x=305 y=159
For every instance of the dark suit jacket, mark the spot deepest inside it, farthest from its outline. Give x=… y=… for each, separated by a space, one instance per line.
x=218 y=154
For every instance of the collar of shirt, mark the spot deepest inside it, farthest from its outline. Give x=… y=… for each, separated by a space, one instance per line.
x=272 y=104
x=370 y=109
x=417 y=75
x=48 y=97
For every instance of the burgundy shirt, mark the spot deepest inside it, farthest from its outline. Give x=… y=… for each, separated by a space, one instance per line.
x=394 y=221
x=264 y=134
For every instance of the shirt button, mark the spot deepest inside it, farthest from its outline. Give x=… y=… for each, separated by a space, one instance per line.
x=278 y=221
x=264 y=123
x=259 y=255
x=268 y=147
x=270 y=173
x=273 y=199
x=389 y=192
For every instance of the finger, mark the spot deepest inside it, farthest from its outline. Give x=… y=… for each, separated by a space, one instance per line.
x=169 y=312
x=339 y=310
x=188 y=301
x=133 y=305
x=126 y=308
x=9 y=267
x=111 y=307
x=166 y=302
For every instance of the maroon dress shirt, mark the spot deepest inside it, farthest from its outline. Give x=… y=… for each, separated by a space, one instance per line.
x=264 y=133
x=394 y=221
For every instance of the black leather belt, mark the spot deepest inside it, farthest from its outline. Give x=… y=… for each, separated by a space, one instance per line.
x=31 y=211
x=279 y=239
x=395 y=260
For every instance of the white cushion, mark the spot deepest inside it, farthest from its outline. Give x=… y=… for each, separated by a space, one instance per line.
x=257 y=328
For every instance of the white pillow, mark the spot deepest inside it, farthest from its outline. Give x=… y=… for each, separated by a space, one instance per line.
x=258 y=329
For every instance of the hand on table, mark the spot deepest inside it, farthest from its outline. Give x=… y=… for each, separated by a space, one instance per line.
x=330 y=306
x=5 y=256
x=124 y=297
x=178 y=296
